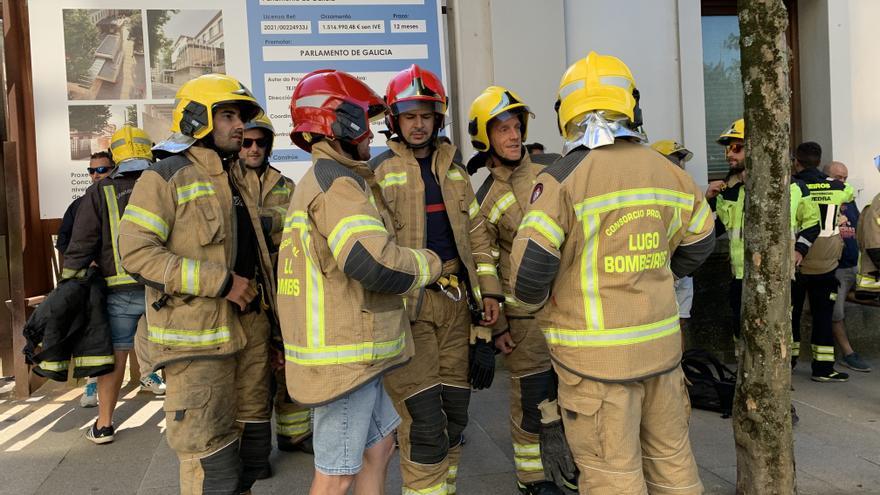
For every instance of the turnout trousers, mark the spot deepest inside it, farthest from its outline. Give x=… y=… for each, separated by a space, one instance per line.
x=530 y=382
x=217 y=415
x=431 y=393
x=629 y=438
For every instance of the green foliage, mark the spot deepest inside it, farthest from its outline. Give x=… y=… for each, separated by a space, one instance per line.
x=156 y=20
x=136 y=30
x=131 y=115
x=89 y=119
x=81 y=39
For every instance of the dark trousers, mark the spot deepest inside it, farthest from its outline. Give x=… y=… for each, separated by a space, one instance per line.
x=821 y=290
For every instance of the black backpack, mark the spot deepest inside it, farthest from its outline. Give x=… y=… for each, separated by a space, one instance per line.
x=711 y=384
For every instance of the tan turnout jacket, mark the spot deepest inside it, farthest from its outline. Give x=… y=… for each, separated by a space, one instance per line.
x=604 y=232
x=178 y=235
x=399 y=176
x=340 y=281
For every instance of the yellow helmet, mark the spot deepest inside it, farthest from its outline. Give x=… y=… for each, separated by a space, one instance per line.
x=195 y=102
x=130 y=142
x=492 y=103
x=673 y=150
x=261 y=121
x=737 y=130
x=598 y=82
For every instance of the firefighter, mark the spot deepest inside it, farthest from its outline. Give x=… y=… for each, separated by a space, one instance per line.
x=93 y=239
x=608 y=227
x=190 y=233
x=433 y=206
x=729 y=198
x=341 y=277
x=816 y=279
x=272 y=192
x=868 y=237
x=498 y=125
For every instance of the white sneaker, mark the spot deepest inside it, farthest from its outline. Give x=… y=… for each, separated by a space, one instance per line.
x=153 y=383
x=90 y=394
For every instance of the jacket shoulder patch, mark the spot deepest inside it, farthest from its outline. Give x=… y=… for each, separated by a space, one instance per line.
x=167 y=167
x=378 y=159
x=563 y=167
x=484 y=189
x=327 y=171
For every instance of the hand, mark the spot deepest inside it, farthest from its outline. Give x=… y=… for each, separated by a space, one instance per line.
x=847 y=232
x=505 y=343
x=714 y=188
x=276 y=358
x=491 y=310
x=559 y=466
x=241 y=293
x=798 y=258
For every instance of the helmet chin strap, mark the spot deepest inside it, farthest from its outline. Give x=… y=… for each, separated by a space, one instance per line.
x=505 y=161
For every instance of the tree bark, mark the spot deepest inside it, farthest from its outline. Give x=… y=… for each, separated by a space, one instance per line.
x=761 y=415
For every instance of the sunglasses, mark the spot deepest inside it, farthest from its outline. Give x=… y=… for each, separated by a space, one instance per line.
x=735 y=147
x=98 y=170
x=248 y=142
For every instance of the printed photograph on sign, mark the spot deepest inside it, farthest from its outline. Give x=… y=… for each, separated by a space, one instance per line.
x=156 y=121
x=183 y=44
x=91 y=127
x=104 y=54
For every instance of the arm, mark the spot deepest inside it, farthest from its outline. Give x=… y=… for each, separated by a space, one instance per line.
x=363 y=248
x=143 y=233
x=807 y=225
x=536 y=251
x=698 y=241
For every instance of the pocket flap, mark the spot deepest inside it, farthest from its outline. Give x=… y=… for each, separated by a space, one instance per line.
x=587 y=406
x=196 y=397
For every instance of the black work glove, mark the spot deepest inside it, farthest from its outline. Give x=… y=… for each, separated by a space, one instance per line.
x=482 y=358
x=559 y=466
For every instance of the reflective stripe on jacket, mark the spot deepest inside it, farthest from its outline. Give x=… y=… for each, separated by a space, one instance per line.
x=868 y=237
x=340 y=278
x=96 y=231
x=604 y=232
x=399 y=176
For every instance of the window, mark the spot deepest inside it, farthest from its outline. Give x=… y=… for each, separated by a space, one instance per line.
x=722 y=81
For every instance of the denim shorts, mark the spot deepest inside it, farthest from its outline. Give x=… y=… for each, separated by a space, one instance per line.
x=346 y=427
x=847 y=279
x=124 y=309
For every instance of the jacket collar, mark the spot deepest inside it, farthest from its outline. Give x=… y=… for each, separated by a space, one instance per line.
x=811 y=174
x=322 y=149
x=207 y=159
x=444 y=151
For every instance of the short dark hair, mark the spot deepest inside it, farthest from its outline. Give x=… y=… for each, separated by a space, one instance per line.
x=808 y=154
x=102 y=154
x=534 y=146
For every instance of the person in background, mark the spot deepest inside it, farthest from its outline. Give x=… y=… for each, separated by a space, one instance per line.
x=535 y=148
x=847 y=269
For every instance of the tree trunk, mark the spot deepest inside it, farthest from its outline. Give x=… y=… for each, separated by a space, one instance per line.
x=761 y=415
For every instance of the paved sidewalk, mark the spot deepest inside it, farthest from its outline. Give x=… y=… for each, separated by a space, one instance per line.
x=43 y=449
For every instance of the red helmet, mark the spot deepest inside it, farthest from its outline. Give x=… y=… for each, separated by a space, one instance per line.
x=412 y=86
x=335 y=104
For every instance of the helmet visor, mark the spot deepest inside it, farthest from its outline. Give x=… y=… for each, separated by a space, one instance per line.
x=416 y=106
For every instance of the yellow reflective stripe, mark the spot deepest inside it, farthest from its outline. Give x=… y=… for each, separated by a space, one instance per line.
x=113 y=215
x=291 y=424
x=473 y=209
x=424 y=275
x=93 y=360
x=675 y=224
x=438 y=489
x=294 y=417
x=646 y=196
x=146 y=219
x=823 y=353
x=528 y=464
x=119 y=280
x=342 y=354
x=283 y=190
x=613 y=336
x=54 y=365
x=195 y=338
x=593 y=313
x=349 y=226
x=500 y=206
x=279 y=209
x=698 y=221
x=293 y=429
x=189 y=276
x=477 y=294
x=314 y=295
x=296 y=220
x=453 y=472
x=192 y=191
x=393 y=179
x=454 y=174
x=486 y=269
x=527 y=449
x=71 y=273
x=545 y=225
x=511 y=301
